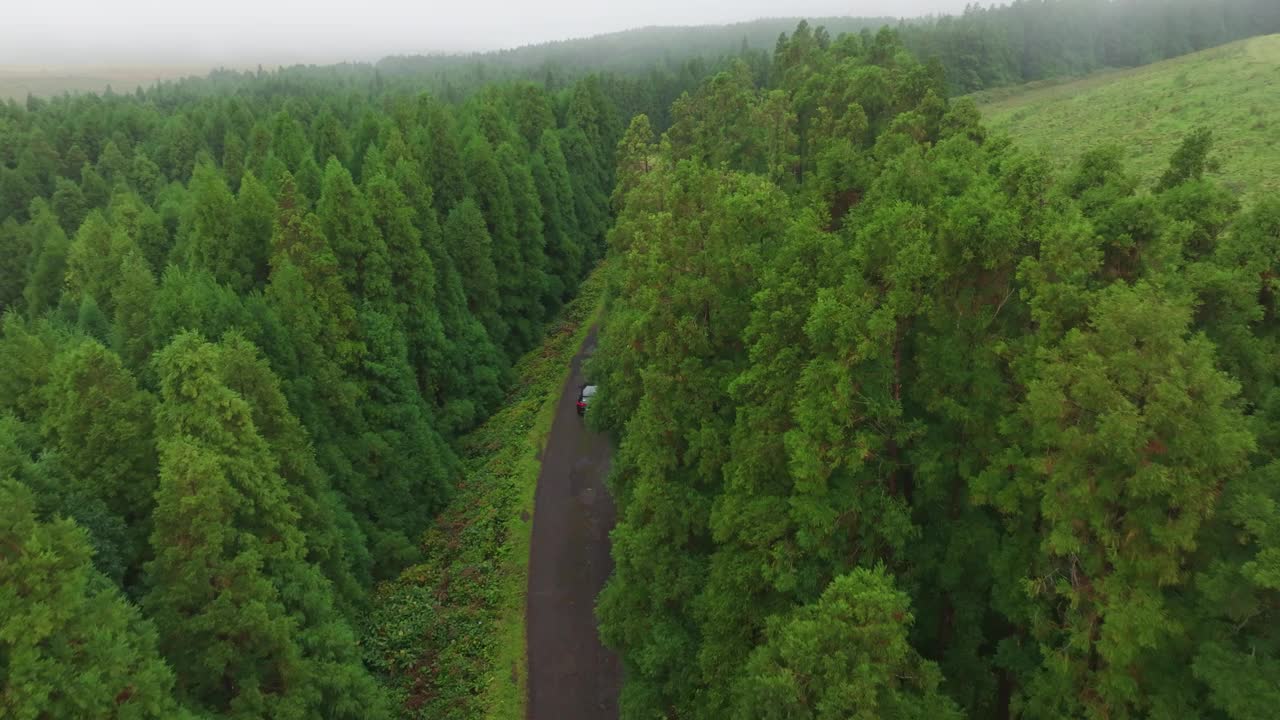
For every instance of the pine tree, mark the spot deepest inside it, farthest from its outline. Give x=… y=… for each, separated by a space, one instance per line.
x=112 y=165
x=252 y=221
x=288 y=141
x=333 y=541
x=493 y=198
x=532 y=248
x=93 y=262
x=133 y=298
x=15 y=257
x=635 y=158
x=559 y=217
x=73 y=646
x=233 y=158
x=471 y=368
x=1132 y=432
x=96 y=190
x=330 y=139
x=665 y=362
x=192 y=300
x=467 y=241
x=413 y=277
x=360 y=249
x=69 y=204
x=588 y=177
x=400 y=453
x=208 y=242
x=130 y=213
x=144 y=175
x=99 y=422
x=437 y=146
x=845 y=656
x=230 y=582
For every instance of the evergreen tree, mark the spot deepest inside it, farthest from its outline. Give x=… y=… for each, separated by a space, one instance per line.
x=413 y=277
x=99 y=423
x=472 y=369
x=667 y=390
x=635 y=157
x=144 y=175
x=233 y=158
x=69 y=204
x=532 y=249
x=133 y=298
x=440 y=152
x=330 y=139
x=288 y=141
x=94 y=259
x=208 y=232
x=73 y=646
x=559 y=219
x=846 y=656
x=360 y=249
x=252 y=221
x=15 y=257
x=493 y=199
x=230 y=582
x=1114 y=445
x=112 y=165
x=474 y=254
x=129 y=212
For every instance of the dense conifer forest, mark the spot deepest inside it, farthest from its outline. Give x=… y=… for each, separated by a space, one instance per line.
x=911 y=427
x=245 y=319
x=909 y=424
x=983 y=47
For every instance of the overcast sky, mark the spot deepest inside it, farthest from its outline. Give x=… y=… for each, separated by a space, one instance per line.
x=237 y=32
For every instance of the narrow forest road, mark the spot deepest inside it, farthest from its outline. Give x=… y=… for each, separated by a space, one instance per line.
x=571 y=675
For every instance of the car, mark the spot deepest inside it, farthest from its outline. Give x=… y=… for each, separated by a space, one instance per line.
x=584 y=396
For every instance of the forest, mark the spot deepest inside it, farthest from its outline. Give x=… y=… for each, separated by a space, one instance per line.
x=983 y=47
x=242 y=331
x=908 y=422
x=912 y=427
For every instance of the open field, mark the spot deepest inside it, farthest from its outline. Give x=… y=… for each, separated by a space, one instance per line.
x=17 y=81
x=1234 y=89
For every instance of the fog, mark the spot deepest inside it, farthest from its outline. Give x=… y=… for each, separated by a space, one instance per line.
x=244 y=32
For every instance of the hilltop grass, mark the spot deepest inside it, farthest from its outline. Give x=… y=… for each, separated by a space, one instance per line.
x=1149 y=110
x=449 y=633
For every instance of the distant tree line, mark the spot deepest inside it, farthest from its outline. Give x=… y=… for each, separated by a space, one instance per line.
x=980 y=48
x=1030 y=40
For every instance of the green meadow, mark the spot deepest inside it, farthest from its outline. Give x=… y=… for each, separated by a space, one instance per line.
x=1233 y=89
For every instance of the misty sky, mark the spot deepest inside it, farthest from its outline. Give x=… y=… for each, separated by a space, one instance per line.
x=236 y=32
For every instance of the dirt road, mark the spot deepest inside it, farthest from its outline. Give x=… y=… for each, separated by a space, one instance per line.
x=571 y=676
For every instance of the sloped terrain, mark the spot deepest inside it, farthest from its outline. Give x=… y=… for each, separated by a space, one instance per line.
x=1148 y=110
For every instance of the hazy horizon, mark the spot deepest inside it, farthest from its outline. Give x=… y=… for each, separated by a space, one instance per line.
x=84 y=33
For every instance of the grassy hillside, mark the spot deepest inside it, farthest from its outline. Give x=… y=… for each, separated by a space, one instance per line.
x=1232 y=89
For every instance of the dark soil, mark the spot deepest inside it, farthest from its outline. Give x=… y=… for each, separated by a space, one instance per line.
x=571 y=675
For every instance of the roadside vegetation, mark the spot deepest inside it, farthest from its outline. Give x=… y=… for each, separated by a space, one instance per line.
x=449 y=633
